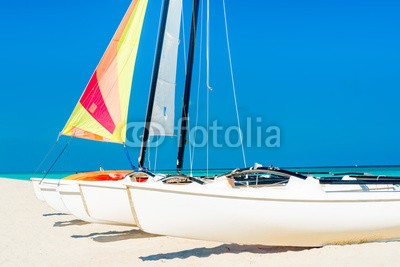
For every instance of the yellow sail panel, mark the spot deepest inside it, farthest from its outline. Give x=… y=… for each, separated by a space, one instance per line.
x=102 y=110
x=89 y=128
x=128 y=41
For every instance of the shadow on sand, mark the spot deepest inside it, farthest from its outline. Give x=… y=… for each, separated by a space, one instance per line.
x=222 y=249
x=69 y=223
x=54 y=214
x=112 y=236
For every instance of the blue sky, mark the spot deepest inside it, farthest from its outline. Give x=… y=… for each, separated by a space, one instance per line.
x=325 y=72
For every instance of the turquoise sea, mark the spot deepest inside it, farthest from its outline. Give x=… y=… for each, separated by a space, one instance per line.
x=320 y=171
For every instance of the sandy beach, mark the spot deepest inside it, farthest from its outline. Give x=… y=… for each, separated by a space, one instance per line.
x=32 y=234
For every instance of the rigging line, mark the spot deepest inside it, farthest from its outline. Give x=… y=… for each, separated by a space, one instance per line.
x=189 y=139
x=156 y=155
x=65 y=162
x=208 y=45
x=198 y=87
x=233 y=83
x=184 y=36
x=208 y=119
x=149 y=155
x=208 y=84
x=129 y=157
x=45 y=157
x=58 y=157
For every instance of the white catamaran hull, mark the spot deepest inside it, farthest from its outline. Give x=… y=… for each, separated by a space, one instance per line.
x=108 y=201
x=267 y=216
x=48 y=189
x=75 y=203
x=36 y=182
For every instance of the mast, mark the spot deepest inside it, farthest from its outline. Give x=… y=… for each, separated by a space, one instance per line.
x=186 y=97
x=153 y=85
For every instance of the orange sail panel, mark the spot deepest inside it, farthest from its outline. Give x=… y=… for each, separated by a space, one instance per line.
x=102 y=110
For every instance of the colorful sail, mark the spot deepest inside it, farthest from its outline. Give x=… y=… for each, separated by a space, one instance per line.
x=162 y=120
x=101 y=113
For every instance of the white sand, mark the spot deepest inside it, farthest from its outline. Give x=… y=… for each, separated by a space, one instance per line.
x=32 y=234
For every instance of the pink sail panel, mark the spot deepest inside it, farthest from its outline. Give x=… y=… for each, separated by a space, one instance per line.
x=92 y=100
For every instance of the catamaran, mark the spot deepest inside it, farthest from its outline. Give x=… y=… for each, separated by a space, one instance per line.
x=101 y=115
x=101 y=112
x=281 y=208
x=109 y=200
x=290 y=210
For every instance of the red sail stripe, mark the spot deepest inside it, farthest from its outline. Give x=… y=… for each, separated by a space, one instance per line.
x=92 y=100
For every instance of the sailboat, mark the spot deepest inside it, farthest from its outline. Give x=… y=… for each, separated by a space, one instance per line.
x=106 y=200
x=297 y=211
x=101 y=112
x=109 y=201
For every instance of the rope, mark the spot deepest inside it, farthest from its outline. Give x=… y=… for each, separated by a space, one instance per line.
x=65 y=163
x=192 y=148
x=207 y=123
x=155 y=156
x=208 y=82
x=58 y=157
x=208 y=45
x=148 y=157
x=129 y=157
x=233 y=84
x=45 y=157
x=184 y=37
